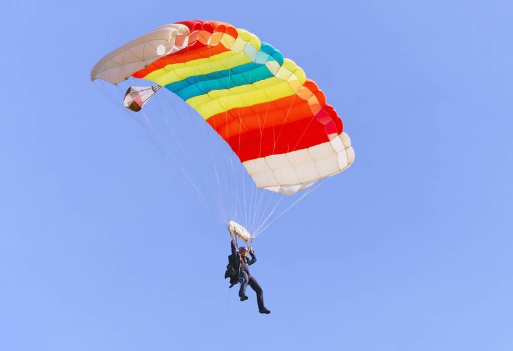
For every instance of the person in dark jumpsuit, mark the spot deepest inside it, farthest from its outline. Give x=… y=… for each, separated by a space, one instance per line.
x=241 y=264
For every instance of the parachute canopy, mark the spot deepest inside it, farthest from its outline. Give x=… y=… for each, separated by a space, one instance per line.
x=275 y=119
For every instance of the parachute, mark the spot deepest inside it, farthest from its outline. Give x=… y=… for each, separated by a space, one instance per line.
x=275 y=120
x=137 y=97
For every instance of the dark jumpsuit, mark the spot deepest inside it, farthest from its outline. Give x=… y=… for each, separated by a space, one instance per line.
x=241 y=264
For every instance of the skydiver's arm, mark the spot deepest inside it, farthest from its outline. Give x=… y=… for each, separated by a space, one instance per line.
x=253 y=258
x=234 y=250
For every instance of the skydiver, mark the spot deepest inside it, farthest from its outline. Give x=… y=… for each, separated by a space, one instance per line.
x=241 y=263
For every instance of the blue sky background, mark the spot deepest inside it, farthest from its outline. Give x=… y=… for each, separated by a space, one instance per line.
x=410 y=249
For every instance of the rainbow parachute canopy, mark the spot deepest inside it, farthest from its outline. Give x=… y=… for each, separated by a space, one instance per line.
x=275 y=119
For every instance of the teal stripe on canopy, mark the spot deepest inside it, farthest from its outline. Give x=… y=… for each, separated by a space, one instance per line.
x=233 y=80
x=241 y=75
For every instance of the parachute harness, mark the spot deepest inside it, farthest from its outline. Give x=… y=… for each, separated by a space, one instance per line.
x=249 y=242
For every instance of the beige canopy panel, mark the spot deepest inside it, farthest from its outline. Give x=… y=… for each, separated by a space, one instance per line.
x=121 y=63
x=291 y=172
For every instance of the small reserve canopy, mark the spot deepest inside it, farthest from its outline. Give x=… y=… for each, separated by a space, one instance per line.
x=137 y=97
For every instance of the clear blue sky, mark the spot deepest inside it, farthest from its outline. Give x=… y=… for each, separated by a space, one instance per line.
x=97 y=239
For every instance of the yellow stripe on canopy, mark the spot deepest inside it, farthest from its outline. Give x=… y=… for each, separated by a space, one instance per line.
x=289 y=79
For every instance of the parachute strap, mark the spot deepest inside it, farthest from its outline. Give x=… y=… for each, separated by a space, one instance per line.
x=250 y=242
x=236 y=241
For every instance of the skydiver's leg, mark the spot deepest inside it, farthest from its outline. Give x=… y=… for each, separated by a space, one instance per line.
x=243 y=284
x=259 y=293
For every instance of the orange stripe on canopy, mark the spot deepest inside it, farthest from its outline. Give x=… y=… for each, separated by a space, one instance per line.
x=197 y=48
x=275 y=113
x=182 y=56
